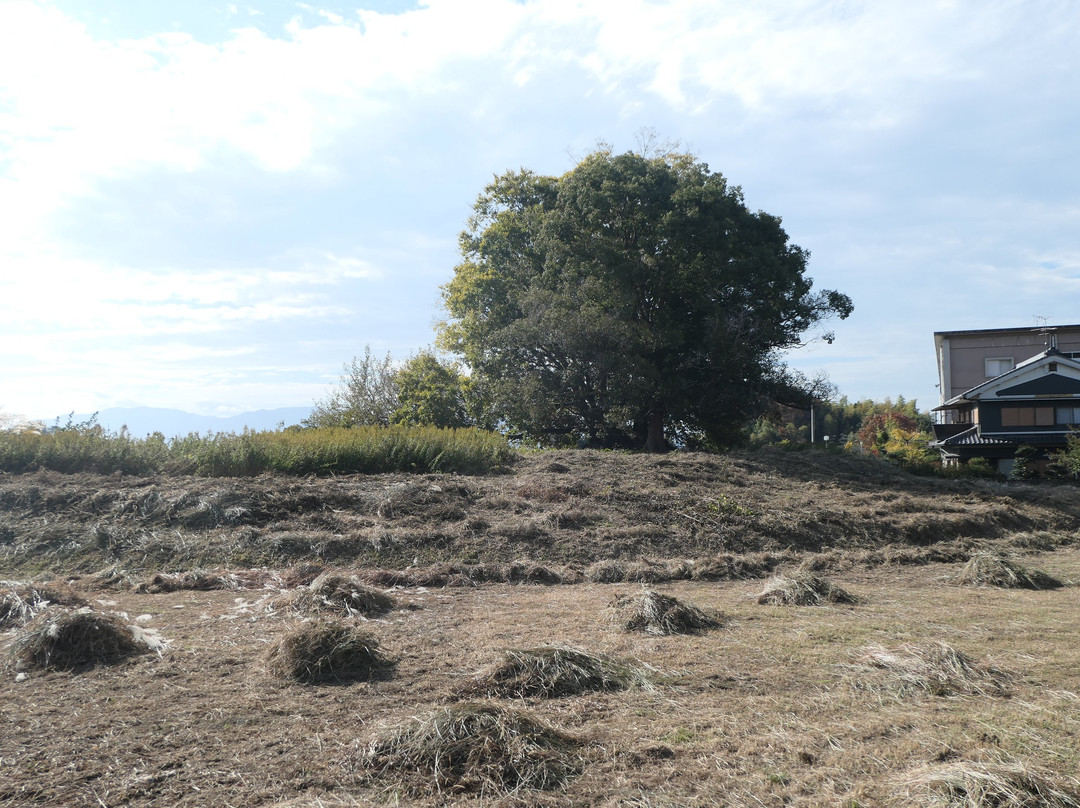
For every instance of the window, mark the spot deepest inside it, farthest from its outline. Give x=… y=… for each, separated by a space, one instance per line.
x=1028 y=416
x=995 y=366
x=1068 y=415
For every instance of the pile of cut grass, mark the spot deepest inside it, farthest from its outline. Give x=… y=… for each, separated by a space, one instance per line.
x=193 y=580
x=338 y=593
x=992 y=785
x=474 y=747
x=112 y=578
x=613 y=571
x=22 y=602
x=803 y=588
x=323 y=801
x=655 y=613
x=556 y=670
x=935 y=668
x=301 y=574
x=994 y=569
x=467 y=575
x=326 y=651
x=77 y=639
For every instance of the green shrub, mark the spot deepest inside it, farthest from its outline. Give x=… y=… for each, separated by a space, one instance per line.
x=1067 y=461
x=977 y=467
x=1024 y=463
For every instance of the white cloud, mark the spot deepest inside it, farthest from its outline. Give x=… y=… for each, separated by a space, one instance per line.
x=82 y=107
x=91 y=302
x=854 y=111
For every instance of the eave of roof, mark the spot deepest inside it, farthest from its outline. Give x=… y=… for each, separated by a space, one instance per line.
x=973 y=437
x=1020 y=330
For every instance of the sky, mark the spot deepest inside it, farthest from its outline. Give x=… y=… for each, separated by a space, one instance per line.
x=213 y=206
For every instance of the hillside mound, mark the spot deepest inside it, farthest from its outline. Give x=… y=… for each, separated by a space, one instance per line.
x=569 y=508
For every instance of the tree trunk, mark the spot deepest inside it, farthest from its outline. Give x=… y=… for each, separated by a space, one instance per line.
x=655 y=441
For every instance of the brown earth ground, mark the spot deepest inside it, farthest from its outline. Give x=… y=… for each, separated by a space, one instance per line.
x=771 y=709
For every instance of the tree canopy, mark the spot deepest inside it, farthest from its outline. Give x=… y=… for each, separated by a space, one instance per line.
x=424 y=391
x=431 y=392
x=366 y=395
x=633 y=300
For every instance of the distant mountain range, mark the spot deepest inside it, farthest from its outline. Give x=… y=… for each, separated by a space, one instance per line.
x=142 y=421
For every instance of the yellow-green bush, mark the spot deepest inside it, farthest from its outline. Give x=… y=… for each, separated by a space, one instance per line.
x=312 y=451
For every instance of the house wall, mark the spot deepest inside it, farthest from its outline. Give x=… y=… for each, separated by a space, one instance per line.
x=962 y=355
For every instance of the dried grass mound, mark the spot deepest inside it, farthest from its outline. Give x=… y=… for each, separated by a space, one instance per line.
x=326 y=651
x=993 y=785
x=20 y=603
x=556 y=670
x=467 y=575
x=301 y=575
x=110 y=578
x=803 y=588
x=935 y=668
x=322 y=801
x=992 y=569
x=194 y=580
x=474 y=748
x=77 y=639
x=610 y=571
x=524 y=572
x=342 y=594
x=654 y=613
x=732 y=567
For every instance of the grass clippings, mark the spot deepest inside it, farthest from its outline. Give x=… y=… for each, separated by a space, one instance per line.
x=82 y=638
x=469 y=575
x=612 y=571
x=994 y=569
x=326 y=651
x=301 y=574
x=803 y=588
x=22 y=602
x=992 y=785
x=474 y=747
x=323 y=801
x=112 y=578
x=655 y=613
x=191 y=580
x=554 y=671
x=341 y=594
x=935 y=668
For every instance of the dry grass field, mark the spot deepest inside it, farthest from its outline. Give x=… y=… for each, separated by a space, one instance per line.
x=923 y=692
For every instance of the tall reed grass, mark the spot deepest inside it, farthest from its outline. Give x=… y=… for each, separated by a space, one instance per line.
x=367 y=450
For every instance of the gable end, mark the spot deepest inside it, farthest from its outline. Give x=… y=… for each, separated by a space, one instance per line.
x=1052 y=384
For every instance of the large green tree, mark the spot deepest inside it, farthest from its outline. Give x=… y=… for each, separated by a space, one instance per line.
x=633 y=301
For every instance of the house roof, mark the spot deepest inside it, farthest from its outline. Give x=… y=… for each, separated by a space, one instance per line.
x=973 y=437
x=1021 y=330
x=1029 y=378
x=970 y=437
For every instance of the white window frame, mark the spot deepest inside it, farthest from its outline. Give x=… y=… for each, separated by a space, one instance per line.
x=997 y=359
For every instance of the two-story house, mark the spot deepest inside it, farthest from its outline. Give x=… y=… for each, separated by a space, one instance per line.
x=1004 y=388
